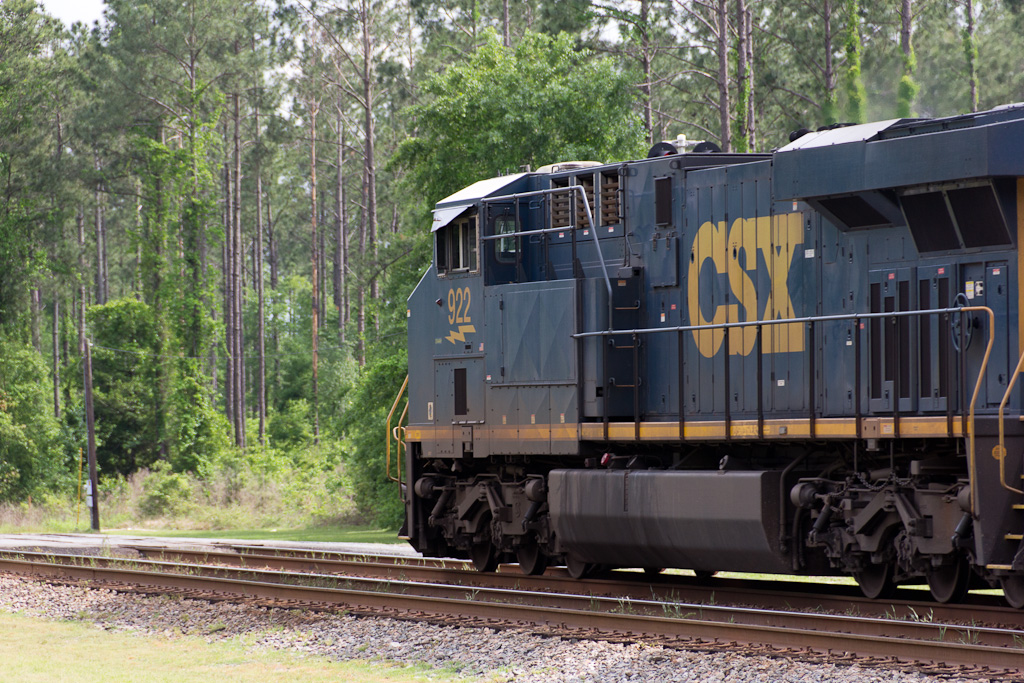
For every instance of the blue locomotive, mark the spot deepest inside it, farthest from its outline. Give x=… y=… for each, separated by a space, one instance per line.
x=795 y=362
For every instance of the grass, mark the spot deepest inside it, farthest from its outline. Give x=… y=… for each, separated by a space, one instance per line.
x=42 y=651
x=326 y=534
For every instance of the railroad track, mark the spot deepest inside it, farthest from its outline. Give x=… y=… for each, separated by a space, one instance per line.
x=619 y=609
x=768 y=594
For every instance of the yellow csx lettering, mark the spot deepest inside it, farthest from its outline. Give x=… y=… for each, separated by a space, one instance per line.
x=776 y=239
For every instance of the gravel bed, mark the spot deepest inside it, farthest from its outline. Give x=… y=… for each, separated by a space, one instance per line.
x=474 y=652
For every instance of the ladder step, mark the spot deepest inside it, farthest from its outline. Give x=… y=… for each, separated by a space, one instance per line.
x=1018 y=506
x=999 y=566
x=1014 y=537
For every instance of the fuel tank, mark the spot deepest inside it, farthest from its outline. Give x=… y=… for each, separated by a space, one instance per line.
x=708 y=520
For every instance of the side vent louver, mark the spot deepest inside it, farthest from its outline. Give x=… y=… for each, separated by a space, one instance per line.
x=930 y=222
x=979 y=217
x=854 y=212
x=942 y=219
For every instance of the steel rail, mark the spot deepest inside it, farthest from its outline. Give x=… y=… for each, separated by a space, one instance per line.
x=766 y=593
x=920 y=641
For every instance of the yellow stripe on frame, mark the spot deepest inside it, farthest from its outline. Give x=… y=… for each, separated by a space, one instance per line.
x=711 y=430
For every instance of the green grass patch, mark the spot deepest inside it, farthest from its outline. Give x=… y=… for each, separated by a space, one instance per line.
x=325 y=534
x=41 y=651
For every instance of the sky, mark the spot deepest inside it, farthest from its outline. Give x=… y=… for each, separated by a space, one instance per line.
x=70 y=11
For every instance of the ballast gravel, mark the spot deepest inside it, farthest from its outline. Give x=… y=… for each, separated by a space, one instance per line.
x=475 y=653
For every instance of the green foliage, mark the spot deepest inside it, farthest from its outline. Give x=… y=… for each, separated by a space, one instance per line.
x=540 y=102
x=971 y=65
x=125 y=371
x=377 y=499
x=739 y=137
x=31 y=457
x=856 y=94
x=291 y=428
x=829 y=108
x=197 y=431
x=31 y=186
x=908 y=88
x=165 y=492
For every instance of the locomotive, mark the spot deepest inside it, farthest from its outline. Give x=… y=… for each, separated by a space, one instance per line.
x=796 y=362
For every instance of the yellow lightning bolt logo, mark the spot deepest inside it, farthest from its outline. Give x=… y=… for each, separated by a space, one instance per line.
x=454 y=336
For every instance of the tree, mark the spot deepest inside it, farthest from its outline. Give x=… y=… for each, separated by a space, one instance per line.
x=539 y=102
x=908 y=87
x=856 y=94
x=31 y=457
x=31 y=186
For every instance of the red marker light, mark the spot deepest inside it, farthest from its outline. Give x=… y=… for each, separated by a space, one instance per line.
x=605 y=459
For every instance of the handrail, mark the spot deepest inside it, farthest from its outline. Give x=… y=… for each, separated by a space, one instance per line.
x=388 y=434
x=398 y=432
x=1002 y=434
x=972 y=461
x=782 y=321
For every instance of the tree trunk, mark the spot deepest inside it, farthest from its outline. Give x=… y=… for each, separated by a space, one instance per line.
x=645 y=61
x=229 y=299
x=971 y=52
x=371 y=167
x=506 y=36
x=361 y=282
x=80 y=220
x=272 y=253
x=751 y=109
x=907 y=88
x=724 y=106
x=829 y=109
x=238 y=287
x=315 y=258
x=35 y=315
x=339 y=233
x=56 y=357
x=261 y=385
x=742 y=80
x=101 y=246
x=905 y=27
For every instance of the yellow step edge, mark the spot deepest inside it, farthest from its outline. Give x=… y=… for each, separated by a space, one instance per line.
x=1007 y=567
x=1014 y=537
x=1018 y=506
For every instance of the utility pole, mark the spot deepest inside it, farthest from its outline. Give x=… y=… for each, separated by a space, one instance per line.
x=90 y=425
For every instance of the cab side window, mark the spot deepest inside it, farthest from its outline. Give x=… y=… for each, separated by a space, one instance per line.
x=505 y=248
x=457 y=247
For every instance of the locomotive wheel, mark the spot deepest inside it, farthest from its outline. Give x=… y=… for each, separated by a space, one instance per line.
x=483 y=557
x=876 y=581
x=950 y=582
x=532 y=560
x=577 y=568
x=1013 y=590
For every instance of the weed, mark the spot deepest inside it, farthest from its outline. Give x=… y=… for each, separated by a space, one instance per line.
x=215 y=627
x=970 y=636
x=924 y=619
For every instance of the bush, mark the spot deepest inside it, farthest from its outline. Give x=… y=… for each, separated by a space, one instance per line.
x=165 y=493
x=376 y=498
x=32 y=460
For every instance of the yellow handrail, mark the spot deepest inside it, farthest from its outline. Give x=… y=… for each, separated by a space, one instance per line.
x=398 y=432
x=974 y=399
x=1002 y=435
x=388 y=434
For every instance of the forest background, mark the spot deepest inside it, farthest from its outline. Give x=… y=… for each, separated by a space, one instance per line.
x=229 y=201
